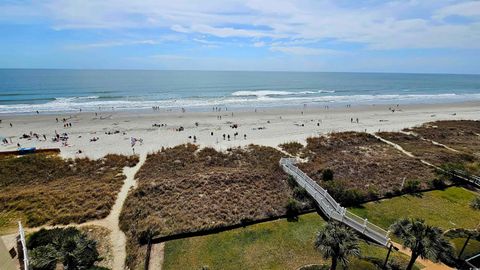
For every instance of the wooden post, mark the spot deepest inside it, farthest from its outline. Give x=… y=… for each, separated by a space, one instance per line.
x=464 y=246
x=388 y=255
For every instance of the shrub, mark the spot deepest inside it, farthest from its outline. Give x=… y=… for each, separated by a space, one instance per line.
x=327 y=175
x=438 y=183
x=292 y=209
x=291 y=181
x=475 y=204
x=411 y=186
x=293 y=148
x=372 y=193
x=300 y=193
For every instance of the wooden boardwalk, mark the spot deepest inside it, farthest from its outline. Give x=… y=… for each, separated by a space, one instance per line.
x=331 y=208
x=472 y=179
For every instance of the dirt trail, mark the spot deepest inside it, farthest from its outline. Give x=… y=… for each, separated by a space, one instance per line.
x=429 y=265
x=156 y=257
x=111 y=222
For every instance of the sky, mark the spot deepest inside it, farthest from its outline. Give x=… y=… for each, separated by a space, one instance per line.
x=418 y=36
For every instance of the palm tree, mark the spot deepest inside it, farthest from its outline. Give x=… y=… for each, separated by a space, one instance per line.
x=423 y=240
x=337 y=242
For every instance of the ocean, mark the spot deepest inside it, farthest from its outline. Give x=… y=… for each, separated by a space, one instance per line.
x=28 y=91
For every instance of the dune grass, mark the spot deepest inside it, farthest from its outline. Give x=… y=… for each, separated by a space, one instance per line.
x=293 y=148
x=447 y=209
x=461 y=135
x=272 y=245
x=184 y=189
x=43 y=189
x=362 y=163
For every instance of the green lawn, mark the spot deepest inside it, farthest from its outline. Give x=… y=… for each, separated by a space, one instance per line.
x=272 y=245
x=447 y=209
x=472 y=248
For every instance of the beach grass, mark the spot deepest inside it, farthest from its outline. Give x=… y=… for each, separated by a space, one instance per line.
x=187 y=189
x=362 y=164
x=293 y=148
x=460 y=135
x=42 y=189
x=272 y=245
x=447 y=209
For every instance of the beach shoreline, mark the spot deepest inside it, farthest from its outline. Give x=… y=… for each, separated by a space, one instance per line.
x=105 y=132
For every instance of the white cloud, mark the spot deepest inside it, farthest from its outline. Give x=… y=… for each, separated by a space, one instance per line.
x=297 y=50
x=376 y=24
x=465 y=9
x=107 y=44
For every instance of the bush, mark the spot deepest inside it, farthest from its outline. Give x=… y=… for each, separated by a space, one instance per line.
x=438 y=183
x=346 y=197
x=291 y=181
x=300 y=193
x=412 y=186
x=327 y=175
x=292 y=209
x=475 y=204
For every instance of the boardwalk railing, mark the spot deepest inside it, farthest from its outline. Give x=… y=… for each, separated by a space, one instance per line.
x=23 y=243
x=331 y=208
x=467 y=177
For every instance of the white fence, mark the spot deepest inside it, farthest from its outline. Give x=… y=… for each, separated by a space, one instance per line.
x=331 y=208
x=26 y=263
x=468 y=177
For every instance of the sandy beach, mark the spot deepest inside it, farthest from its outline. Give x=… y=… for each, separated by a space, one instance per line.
x=96 y=135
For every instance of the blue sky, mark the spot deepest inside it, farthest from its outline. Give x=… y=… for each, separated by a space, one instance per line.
x=434 y=36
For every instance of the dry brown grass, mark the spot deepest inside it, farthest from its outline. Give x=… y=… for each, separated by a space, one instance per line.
x=293 y=148
x=461 y=135
x=43 y=189
x=183 y=189
x=363 y=163
x=104 y=243
x=426 y=150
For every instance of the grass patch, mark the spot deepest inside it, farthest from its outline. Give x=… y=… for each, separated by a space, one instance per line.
x=461 y=135
x=184 y=189
x=426 y=150
x=104 y=244
x=43 y=189
x=361 y=163
x=447 y=209
x=293 y=148
x=472 y=248
x=272 y=245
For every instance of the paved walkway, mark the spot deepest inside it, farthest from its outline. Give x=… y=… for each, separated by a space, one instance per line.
x=156 y=256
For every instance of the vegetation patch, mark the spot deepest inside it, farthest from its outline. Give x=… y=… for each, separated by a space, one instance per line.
x=426 y=150
x=447 y=209
x=271 y=245
x=184 y=189
x=461 y=135
x=355 y=166
x=41 y=189
x=101 y=235
x=293 y=148
x=68 y=247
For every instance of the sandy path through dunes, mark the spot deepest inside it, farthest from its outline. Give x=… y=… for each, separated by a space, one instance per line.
x=111 y=222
